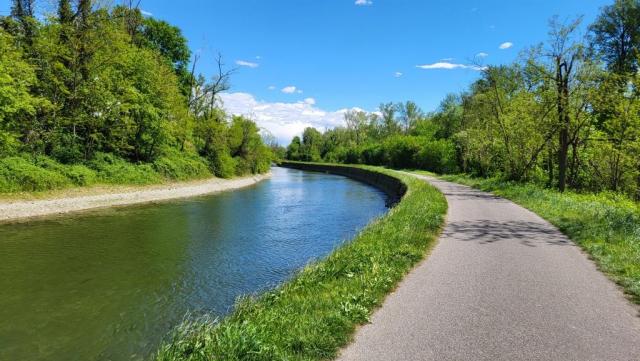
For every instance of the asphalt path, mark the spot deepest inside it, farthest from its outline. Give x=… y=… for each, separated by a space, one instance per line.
x=502 y=284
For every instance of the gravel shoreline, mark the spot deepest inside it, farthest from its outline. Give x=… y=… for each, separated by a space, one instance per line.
x=25 y=209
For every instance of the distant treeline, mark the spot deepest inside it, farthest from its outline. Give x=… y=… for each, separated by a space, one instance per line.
x=85 y=88
x=566 y=114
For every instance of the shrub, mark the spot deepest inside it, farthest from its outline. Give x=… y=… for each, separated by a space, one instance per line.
x=114 y=170
x=437 y=156
x=20 y=175
x=181 y=166
x=372 y=154
x=222 y=164
x=78 y=174
x=400 y=151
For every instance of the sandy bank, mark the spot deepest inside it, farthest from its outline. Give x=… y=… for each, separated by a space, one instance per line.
x=99 y=198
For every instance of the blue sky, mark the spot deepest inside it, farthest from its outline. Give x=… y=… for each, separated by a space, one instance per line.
x=341 y=54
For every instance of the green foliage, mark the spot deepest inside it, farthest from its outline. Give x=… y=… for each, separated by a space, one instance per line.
x=438 y=156
x=78 y=175
x=18 y=106
x=169 y=41
x=616 y=34
x=221 y=162
x=181 y=166
x=104 y=95
x=315 y=313
x=606 y=225
x=20 y=175
x=556 y=117
x=113 y=170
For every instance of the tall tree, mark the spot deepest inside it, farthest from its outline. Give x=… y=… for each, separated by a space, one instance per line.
x=616 y=34
x=410 y=113
x=65 y=13
x=169 y=41
x=565 y=54
x=389 y=122
x=24 y=12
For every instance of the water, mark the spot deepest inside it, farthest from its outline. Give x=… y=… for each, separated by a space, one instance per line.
x=109 y=285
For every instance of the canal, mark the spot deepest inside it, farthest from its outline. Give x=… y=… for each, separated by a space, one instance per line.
x=110 y=284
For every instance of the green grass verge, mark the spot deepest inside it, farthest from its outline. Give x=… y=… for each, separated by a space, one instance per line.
x=605 y=225
x=315 y=313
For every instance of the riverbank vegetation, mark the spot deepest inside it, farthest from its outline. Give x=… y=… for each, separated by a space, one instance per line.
x=315 y=313
x=565 y=115
x=91 y=94
x=606 y=225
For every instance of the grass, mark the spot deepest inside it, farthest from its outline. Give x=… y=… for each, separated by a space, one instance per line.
x=314 y=314
x=605 y=225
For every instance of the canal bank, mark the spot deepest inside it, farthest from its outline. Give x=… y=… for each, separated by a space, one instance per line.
x=390 y=184
x=90 y=199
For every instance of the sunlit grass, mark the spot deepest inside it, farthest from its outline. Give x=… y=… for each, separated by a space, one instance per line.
x=314 y=314
x=605 y=225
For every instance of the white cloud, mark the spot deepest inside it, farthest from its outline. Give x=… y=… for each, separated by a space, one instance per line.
x=272 y=87
x=364 y=2
x=506 y=45
x=482 y=55
x=145 y=13
x=289 y=89
x=449 y=66
x=397 y=74
x=283 y=120
x=299 y=91
x=247 y=64
x=448 y=59
x=258 y=57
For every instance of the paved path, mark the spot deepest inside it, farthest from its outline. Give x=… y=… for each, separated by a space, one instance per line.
x=502 y=284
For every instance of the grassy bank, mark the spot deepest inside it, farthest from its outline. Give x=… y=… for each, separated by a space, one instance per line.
x=314 y=314
x=27 y=174
x=606 y=225
x=40 y=173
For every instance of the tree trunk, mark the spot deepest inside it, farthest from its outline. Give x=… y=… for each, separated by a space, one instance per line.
x=562 y=158
x=550 y=166
x=562 y=84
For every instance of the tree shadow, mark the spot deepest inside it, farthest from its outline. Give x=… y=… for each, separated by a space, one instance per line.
x=530 y=234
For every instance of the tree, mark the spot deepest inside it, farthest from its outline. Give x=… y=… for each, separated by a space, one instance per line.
x=169 y=41
x=449 y=116
x=203 y=97
x=356 y=122
x=18 y=106
x=566 y=56
x=389 y=123
x=410 y=113
x=616 y=35
x=65 y=13
x=293 y=150
x=311 y=145
x=23 y=11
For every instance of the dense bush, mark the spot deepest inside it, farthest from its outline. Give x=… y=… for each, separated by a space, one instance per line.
x=115 y=170
x=180 y=166
x=437 y=156
x=20 y=175
x=78 y=174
